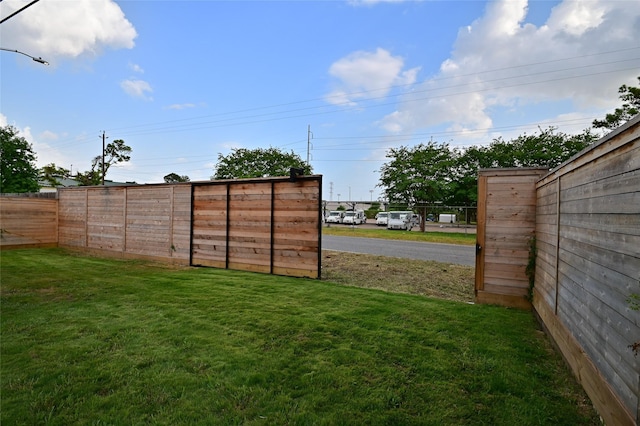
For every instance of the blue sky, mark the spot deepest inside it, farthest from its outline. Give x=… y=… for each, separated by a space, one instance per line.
x=183 y=81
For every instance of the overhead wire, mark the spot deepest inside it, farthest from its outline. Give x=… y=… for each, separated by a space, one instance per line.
x=218 y=120
x=386 y=89
x=284 y=112
x=275 y=116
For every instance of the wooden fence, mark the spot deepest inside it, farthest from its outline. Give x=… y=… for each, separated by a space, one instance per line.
x=28 y=221
x=506 y=226
x=270 y=225
x=587 y=228
x=588 y=266
x=150 y=221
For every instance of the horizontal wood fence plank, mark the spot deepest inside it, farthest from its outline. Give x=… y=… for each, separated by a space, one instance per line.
x=625 y=264
x=599 y=391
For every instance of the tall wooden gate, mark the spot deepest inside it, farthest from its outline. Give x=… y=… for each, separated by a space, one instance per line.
x=270 y=225
x=506 y=225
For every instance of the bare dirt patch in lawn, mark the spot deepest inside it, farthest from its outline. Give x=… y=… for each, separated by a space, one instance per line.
x=427 y=278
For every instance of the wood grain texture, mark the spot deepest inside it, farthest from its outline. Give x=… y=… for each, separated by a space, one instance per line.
x=506 y=223
x=588 y=265
x=28 y=221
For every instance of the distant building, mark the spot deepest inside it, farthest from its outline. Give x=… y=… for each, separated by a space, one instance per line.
x=66 y=182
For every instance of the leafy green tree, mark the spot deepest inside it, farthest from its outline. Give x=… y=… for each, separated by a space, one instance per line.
x=51 y=173
x=630 y=96
x=114 y=153
x=546 y=149
x=430 y=173
x=463 y=190
x=91 y=177
x=259 y=162
x=175 y=178
x=417 y=174
x=18 y=172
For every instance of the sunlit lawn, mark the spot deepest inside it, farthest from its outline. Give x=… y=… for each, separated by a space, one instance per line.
x=95 y=341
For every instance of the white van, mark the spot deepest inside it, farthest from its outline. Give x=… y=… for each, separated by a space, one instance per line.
x=335 y=216
x=354 y=217
x=400 y=220
x=381 y=218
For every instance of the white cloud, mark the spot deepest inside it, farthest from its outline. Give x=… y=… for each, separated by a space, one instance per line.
x=66 y=28
x=581 y=55
x=136 y=68
x=49 y=135
x=181 y=106
x=364 y=74
x=137 y=88
x=45 y=154
x=575 y=18
x=373 y=2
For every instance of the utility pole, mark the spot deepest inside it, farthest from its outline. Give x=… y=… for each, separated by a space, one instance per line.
x=309 y=137
x=330 y=191
x=103 y=171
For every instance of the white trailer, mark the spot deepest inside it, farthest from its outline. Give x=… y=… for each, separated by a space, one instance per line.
x=335 y=216
x=400 y=220
x=381 y=218
x=447 y=218
x=354 y=217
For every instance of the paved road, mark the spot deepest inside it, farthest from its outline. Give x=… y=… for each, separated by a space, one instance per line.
x=448 y=253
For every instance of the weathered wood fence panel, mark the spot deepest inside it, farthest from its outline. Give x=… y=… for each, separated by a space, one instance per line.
x=249 y=221
x=105 y=227
x=269 y=225
x=209 y=226
x=72 y=218
x=143 y=221
x=588 y=265
x=587 y=229
x=296 y=229
x=263 y=225
x=28 y=221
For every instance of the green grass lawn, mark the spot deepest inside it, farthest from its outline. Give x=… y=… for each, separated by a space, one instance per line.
x=427 y=237
x=95 y=341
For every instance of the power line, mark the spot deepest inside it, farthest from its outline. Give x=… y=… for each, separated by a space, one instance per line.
x=255 y=120
x=220 y=116
x=19 y=10
x=315 y=110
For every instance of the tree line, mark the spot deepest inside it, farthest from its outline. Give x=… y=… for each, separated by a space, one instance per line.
x=434 y=172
